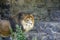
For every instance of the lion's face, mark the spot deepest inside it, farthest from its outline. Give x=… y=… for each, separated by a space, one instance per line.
x=28 y=22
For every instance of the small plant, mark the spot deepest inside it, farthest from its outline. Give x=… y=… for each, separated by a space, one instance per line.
x=19 y=33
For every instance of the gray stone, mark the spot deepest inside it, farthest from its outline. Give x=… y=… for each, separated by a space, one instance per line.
x=45 y=31
x=55 y=15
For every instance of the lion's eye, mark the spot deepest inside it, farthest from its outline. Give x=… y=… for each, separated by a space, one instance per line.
x=31 y=18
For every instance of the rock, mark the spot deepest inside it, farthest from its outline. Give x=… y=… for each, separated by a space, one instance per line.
x=55 y=15
x=45 y=31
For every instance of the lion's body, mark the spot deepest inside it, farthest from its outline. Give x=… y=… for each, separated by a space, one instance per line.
x=26 y=20
x=4 y=28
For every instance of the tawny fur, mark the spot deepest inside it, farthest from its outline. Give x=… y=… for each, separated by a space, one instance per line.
x=4 y=28
x=28 y=22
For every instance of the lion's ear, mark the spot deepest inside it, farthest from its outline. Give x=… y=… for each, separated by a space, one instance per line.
x=31 y=15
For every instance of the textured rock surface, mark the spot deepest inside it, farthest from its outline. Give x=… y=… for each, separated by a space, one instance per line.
x=45 y=10
x=45 y=31
x=55 y=15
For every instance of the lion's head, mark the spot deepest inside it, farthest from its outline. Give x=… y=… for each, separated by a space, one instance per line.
x=27 y=21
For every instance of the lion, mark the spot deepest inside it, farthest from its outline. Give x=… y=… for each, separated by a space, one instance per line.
x=25 y=19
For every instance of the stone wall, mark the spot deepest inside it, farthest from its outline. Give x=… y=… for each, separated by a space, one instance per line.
x=47 y=17
x=41 y=9
x=45 y=31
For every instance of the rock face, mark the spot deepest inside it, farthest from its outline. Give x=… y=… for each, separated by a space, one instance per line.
x=45 y=31
x=38 y=7
x=44 y=10
x=55 y=15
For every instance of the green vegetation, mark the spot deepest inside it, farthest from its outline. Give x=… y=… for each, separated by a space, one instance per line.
x=19 y=33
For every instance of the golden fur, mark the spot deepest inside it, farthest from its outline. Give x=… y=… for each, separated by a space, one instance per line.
x=4 y=28
x=27 y=22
